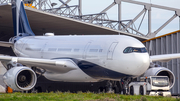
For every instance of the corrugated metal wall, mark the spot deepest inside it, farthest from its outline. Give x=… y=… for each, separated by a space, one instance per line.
x=167 y=45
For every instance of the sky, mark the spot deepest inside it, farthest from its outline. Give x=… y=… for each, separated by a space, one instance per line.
x=129 y=11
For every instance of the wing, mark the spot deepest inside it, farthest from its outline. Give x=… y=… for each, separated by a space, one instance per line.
x=58 y=66
x=164 y=57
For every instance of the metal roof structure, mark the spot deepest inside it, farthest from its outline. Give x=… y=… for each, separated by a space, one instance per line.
x=65 y=19
x=42 y=22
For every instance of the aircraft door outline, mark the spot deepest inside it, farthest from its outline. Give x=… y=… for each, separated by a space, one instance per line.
x=111 y=51
x=43 y=49
x=86 y=49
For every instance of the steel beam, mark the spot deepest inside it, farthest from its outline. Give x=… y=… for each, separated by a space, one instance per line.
x=178 y=13
x=151 y=35
x=61 y=8
x=152 y=5
x=134 y=19
x=65 y=3
x=110 y=6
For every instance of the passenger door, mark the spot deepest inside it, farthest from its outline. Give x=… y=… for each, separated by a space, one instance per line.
x=111 y=50
x=86 y=49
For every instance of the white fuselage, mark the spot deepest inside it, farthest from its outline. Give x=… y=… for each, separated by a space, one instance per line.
x=98 y=57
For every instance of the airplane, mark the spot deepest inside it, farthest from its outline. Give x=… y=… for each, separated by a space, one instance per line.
x=82 y=58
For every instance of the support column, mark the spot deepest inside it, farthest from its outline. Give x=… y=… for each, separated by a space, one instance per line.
x=149 y=21
x=119 y=15
x=80 y=8
x=148 y=7
x=178 y=14
x=39 y=4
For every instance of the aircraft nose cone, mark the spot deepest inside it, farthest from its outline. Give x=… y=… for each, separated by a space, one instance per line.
x=142 y=63
x=135 y=64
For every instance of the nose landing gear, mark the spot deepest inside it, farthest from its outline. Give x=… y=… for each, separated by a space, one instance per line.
x=126 y=85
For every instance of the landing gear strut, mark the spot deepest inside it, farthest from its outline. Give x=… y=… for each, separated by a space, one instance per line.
x=126 y=86
x=109 y=87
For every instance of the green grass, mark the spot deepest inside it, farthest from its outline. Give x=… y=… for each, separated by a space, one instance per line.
x=80 y=96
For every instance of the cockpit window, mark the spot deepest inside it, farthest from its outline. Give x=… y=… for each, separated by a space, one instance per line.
x=134 y=49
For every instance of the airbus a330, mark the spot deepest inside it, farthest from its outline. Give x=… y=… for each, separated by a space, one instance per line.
x=86 y=58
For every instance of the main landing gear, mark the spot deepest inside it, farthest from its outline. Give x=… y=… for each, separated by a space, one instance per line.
x=111 y=87
x=121 y=86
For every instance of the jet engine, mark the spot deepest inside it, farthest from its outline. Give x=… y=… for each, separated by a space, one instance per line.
x=161 y=71
x=20 y=78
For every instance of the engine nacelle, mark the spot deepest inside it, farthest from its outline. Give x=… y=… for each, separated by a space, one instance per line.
x=161 y=71
x=20 y=78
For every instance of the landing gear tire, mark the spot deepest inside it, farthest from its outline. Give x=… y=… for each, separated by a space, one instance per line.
x=124 y=91
x=109 y=90
x=38 y=89
x=101 y=90
x=131 y=90
x=116 y=89
x=141 y=90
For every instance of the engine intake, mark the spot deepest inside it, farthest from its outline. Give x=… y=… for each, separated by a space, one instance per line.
x=161 y=71
x=20 y=78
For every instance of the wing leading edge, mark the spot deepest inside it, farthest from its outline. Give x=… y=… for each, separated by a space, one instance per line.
x=57 y=66
x=164 y=57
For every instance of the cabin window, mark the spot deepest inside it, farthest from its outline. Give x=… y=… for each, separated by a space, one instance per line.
x=135 y=49
x=64 y=49
x=100 y=50
x=76 y=50
x=52 y=49
x=93 y=50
